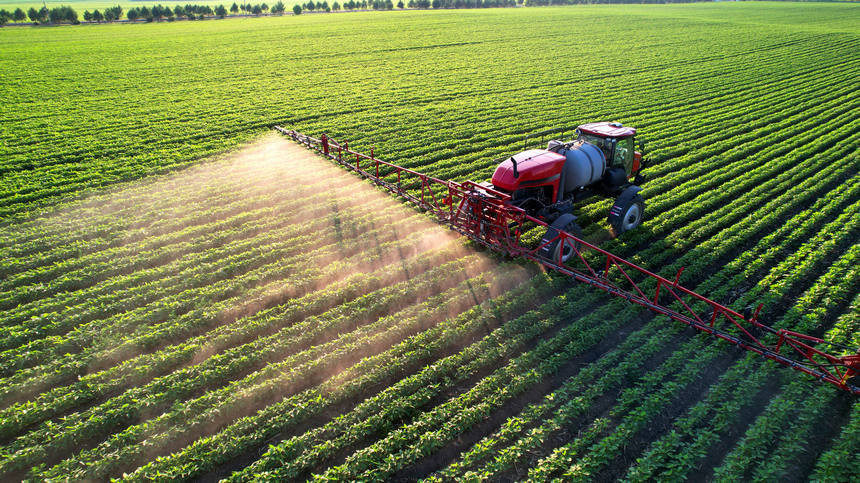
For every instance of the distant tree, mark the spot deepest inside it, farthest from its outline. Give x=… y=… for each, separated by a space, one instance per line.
x=63 y=14
x=220 y=11
x=264 y=7
x=145 y=13
x=364 y=4
x=324 y=6
x=133 y=14
x=18 y=15
x=179 y=11
x=278 y=8
x=33 y=14
x=234 y=8
x=168 y=12
x=335 y=6
x=310 y=6
x=400 y=4
x=98 y=16
x=88 y=16
x=5 y=17
x=436 y=4
x=297 y=10
x=44 y=14
x=113 y=13
x=389 y=5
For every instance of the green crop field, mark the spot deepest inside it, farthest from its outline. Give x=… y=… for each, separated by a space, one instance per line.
x=186 y=295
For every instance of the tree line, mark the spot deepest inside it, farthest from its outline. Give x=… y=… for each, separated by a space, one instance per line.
x=56 y=15
x=389 y=4
x=65 y=14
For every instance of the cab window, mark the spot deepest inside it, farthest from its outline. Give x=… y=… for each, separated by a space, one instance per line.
x=600 y=142
x=624 y=154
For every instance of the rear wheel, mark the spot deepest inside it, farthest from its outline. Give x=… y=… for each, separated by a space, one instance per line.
x=627 y=215
x=567 y=248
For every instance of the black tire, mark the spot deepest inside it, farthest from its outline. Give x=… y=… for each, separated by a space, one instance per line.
x=566 y=249
x=630 y=216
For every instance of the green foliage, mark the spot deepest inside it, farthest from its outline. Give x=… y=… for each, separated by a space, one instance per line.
x=64 y=14
x=249 y=318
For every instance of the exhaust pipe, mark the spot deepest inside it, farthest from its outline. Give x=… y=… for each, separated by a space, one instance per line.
x=514 y=162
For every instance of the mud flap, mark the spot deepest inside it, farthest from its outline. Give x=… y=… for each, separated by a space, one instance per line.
x=559 y=224
x=621 y=204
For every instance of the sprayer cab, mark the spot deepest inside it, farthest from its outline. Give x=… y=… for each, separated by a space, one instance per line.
x=601 y=160
x=617 y=142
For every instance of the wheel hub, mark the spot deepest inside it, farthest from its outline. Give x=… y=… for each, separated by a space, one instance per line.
x=631 y=218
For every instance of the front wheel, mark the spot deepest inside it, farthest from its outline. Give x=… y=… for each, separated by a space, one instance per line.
x=567 y=249
x=626 y=214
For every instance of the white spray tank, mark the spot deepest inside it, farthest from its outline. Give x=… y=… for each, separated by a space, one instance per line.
x=584 y=164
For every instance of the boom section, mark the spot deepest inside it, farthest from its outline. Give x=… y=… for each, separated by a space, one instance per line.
x=486 y=216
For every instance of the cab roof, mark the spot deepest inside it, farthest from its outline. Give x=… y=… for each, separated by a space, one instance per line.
x=607 y=129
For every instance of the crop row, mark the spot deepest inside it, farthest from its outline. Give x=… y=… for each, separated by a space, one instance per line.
x=171 y=331
x=165 y=393
x=171 y=204
x=291 y=276
x=270 y=407
x=767 y=49
x=291 y=337
x=767 y=246
x=73 y=367
x=599 y=454
x=158 y=329
x=677 y=453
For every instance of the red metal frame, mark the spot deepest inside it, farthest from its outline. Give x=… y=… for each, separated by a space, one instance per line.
x=486 y=216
